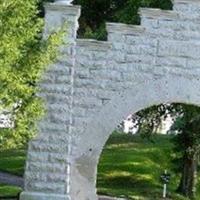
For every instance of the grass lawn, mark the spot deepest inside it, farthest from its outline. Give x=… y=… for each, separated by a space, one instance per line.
x=129 y=167
x=6 y=190
x=13 y=161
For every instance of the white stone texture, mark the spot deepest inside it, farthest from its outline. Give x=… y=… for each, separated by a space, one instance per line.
x=67 y=2
x=94 y=85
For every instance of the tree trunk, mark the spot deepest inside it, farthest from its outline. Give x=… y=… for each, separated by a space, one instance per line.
x=188 y=182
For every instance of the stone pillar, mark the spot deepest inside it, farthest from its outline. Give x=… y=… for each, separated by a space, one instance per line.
x=47 y=174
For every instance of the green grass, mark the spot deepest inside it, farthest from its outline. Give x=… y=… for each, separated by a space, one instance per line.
x=6 y=190
x=13 y=161
x=131 y=167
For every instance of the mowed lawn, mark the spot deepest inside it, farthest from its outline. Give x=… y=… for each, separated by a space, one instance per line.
x=129 y=167
x=13 y=162
x=7 y=190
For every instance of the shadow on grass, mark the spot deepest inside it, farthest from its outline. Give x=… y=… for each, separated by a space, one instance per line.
x=127 y=182
x=128 y=186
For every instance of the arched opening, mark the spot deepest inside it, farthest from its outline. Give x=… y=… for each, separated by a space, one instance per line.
x=131 y=164
x=97 y=131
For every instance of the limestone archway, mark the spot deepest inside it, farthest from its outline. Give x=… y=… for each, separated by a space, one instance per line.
x=153 y=92
x=95 y=84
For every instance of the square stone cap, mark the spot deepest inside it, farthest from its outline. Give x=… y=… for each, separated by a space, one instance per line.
x=158 y=13
x=124 y=28
x=74 y=10
x=186 y=1
x=68 y=2
x=95 y=45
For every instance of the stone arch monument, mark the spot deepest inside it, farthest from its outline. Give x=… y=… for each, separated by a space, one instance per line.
x=95 y=84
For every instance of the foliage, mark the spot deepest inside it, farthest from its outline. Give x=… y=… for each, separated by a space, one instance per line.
x=96 y=12
x=24 y=55
x=187 y=131
x=187 y=143
x=148 y=120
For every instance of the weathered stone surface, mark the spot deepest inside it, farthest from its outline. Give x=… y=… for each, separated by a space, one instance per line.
x=95 y=84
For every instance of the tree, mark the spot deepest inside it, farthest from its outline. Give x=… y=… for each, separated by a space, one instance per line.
x=187 y=147
x=24 y=55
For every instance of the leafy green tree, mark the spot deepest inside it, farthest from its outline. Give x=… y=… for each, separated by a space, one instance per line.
x=187 y=148
x=24 y=55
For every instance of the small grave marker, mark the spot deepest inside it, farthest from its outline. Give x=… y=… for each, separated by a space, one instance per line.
x=165 y=178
